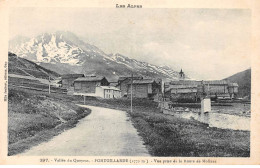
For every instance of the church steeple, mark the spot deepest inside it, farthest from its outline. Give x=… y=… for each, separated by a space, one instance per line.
x=181 y=75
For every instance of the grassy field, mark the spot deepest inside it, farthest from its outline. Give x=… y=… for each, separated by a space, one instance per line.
x=34 y=117
x=166 y=135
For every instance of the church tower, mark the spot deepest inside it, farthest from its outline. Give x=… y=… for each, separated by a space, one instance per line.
x=181 y=75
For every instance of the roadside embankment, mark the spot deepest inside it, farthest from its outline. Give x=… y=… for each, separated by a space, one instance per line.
x=34 y=117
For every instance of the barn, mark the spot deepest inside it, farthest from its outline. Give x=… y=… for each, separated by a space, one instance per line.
x=88 y=84
x=68 y=79
x=123 y=82
x=143 y=88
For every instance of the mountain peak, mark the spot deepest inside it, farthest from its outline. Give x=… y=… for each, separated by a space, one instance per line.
x=66 y=52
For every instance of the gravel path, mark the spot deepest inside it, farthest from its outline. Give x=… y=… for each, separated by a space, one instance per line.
x=105 y=132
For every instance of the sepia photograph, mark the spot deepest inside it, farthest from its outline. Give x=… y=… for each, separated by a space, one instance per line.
x=129 y=81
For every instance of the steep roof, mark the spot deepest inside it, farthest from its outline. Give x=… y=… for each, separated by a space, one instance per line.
x=72 y=76
x=90 y=78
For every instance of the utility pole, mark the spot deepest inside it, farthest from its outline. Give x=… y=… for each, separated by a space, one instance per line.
x=132 y=93
x=49 y=85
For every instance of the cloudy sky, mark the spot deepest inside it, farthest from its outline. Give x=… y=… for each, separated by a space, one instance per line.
x=205 y=43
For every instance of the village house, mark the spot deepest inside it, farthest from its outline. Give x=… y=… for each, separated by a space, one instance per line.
x=123 y=83
x=88 y=84
x=68 y=79
x=143 y=88
x=108 y=92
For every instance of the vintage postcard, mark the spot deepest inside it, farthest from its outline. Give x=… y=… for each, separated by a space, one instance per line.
x=130 y=82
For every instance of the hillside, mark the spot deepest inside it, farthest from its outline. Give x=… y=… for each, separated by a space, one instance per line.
x=64 y=52
x=243 y=79
x=35 y=117
x=24 y=67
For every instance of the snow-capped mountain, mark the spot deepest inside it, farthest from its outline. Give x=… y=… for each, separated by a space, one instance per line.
x=64 y=52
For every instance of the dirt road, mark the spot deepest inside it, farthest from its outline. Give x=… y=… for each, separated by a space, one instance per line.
x=105 y=132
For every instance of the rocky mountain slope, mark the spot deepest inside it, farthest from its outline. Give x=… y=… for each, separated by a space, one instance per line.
x=64 y=52
x=243 y=79
x=24 y=67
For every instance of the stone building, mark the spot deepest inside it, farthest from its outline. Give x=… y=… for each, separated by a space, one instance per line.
x=143 y=88
x=194 y=90
x=181 y=90
x=68 y=79
x=233 y=89
x=88 y=84
x=123 y=83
